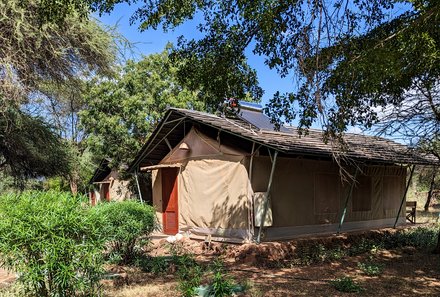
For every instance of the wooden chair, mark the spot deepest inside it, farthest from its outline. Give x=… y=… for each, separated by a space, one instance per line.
x=411 y=211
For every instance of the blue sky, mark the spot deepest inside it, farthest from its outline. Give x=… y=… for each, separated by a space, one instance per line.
x=154 y=41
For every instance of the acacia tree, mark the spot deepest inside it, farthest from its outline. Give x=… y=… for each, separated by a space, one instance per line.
x=61 y=105
x=37 y=51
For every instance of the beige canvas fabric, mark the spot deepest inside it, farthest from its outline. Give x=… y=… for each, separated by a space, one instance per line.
x=214 y=192
x=201 y=146
x=215 y=195
x=118 y=188
x=309 y=192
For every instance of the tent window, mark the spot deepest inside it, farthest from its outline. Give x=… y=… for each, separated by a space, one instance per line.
x=362 y=192
x=391 y=194
x=326 y=193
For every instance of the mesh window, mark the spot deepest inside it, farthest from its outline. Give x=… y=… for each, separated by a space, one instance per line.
x=361 y=200
x=391 y=192
x=326 y=193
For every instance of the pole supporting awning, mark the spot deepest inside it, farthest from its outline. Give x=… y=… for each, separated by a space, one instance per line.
x=102 y=182
x=158 y=166
x=350 y=194
x=267 y=197
x=138 y=186
x=404 y=195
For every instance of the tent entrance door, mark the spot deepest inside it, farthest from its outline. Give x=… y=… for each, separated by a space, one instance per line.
x=170 y=213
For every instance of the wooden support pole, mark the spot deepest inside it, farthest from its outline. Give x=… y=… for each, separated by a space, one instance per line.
x=404 y=195
x=267 y=196
x=138 y=186
x=350 y=194
x=251 y=162
x=251 y=202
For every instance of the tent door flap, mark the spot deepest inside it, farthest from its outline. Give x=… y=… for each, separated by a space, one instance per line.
x=170 y=213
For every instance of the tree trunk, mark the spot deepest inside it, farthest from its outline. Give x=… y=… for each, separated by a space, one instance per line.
x=73 y=181
x=431 y=188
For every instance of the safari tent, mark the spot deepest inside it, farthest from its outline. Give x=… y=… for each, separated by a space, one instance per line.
x=106 y=185
x=222 y=177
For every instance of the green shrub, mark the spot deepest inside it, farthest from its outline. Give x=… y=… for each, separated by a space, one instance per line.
x=420 y=237
x=317 y=253
x=366 y=245
x=370 y=268
x=221 y=284
x=346 y=285
x=190 y=275
x=52 y=241
x=128 y=223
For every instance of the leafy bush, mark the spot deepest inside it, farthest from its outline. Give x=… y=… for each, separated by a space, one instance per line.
x=221 y=285
x=370 y=268
x=317 y=253
x=52 y=241
x=190 y=275
x=420 y=237
x=346 y=285
x=179 y=260
x=128 y=222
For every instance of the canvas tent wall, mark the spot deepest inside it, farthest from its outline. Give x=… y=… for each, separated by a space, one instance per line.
x=213 y=188
x=308 y=196
x=222 y=167
x=216 y=197
x=107 y=185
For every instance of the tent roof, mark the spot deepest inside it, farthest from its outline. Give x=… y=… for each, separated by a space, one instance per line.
x=101 y=172
x=177 y=122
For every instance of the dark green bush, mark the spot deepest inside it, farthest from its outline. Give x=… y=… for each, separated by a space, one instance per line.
x=190 y=275
x=128 y=223
x=371 y=268
x=53 y=242
x=346 y=284
x=421 y=237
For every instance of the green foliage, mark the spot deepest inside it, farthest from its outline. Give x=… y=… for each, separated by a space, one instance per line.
x=55 y=52
x=216 y=66
x=366 y=245
x=159 y=265
x=179 y=259
x=121 y=113
x=190 y=276
x=28 y=146
x=349 y=59
x=317 y=253
x=53 y=11
x=52 y=241
x=38 y=51
x=371 y=268
x=216 y=73
x=346 y=284
x=423 y=177
x=221 y=285
x=420 y=237
x=127 y=223
x=56 y=183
